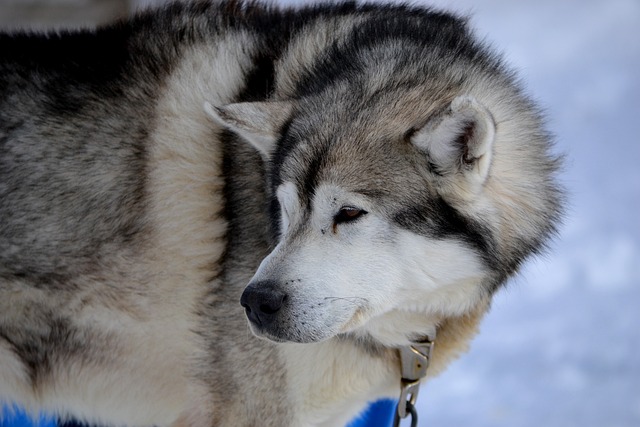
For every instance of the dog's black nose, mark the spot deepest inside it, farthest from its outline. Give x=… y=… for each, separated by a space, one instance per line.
x=262 y=301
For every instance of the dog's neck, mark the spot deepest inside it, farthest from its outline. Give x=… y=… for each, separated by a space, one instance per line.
x=346 y=372
x=353 y=368
x=399 y=328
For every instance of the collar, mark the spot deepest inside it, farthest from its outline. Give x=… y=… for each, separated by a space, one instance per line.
x=414 y=361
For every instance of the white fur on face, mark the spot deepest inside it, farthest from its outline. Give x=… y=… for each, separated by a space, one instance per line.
x=366 y=276
x=440 y=279
x=289 y=204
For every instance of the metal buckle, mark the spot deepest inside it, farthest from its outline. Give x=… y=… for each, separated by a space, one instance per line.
x=414 y=361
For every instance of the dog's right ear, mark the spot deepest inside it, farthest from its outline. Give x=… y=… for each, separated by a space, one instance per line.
x=257 y=122
x=459 y=142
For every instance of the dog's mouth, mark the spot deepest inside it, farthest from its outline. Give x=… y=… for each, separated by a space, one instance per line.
x=269 y=335
x=294 y=333
x=280 y=319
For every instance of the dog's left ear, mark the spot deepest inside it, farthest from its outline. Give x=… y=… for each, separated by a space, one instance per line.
x=257 y=122
x=459 y=142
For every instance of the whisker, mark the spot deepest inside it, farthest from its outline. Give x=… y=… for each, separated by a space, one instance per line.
x=352 y=300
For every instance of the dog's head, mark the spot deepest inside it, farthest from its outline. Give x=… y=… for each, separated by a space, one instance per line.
x=388 y=218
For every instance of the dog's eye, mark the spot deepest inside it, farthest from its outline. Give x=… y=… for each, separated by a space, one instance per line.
x=348 y=214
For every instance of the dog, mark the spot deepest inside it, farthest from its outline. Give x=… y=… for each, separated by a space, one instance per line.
x=233 y=214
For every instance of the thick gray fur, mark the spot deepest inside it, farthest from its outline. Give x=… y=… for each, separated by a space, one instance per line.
x=131 y=222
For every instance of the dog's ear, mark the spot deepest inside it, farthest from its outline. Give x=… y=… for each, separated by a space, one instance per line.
x=257 y=122
x=459 y=142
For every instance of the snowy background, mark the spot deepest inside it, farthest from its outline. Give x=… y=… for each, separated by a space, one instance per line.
x=561 y=346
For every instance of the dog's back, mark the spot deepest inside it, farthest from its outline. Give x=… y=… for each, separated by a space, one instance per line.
x=74 y=117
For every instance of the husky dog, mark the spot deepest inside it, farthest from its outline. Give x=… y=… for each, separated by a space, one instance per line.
x=349 y=178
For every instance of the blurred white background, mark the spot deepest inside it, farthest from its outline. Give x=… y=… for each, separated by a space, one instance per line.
x=561 y=346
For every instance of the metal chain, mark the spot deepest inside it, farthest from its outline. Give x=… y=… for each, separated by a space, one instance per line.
x=410 y=411
x=414 y=361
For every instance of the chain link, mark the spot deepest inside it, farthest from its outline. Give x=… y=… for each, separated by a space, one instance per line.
x=410 y=411
x=414 y=361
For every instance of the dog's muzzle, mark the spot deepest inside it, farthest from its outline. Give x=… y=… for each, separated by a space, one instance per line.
x=262 y=301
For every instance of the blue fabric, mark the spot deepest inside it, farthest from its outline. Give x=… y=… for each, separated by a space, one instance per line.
x=379 y=414
x=13 y=417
